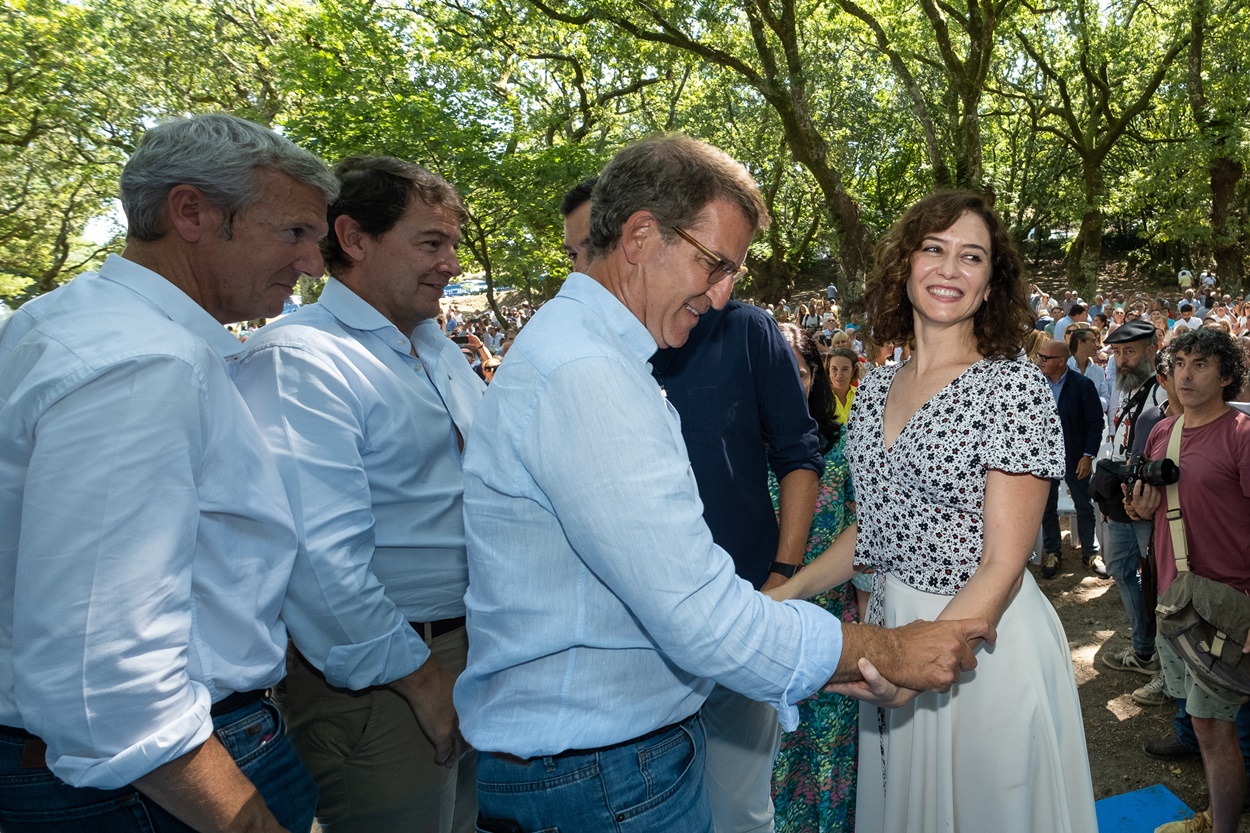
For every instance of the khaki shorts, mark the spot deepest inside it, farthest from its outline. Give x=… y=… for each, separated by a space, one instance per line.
x=1198 y=701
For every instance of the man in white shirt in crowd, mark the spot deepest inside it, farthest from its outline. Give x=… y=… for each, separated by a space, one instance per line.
x=364 y=405
x=1187 y=318
x=148 y=536
x=1076 y=315
x=601 y=613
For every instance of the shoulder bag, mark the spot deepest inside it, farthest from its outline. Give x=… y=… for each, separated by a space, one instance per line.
x=1204 y=621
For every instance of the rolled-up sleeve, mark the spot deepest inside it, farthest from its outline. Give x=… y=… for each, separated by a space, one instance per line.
x=640 y=531
x=103 y=604
x=336 y=609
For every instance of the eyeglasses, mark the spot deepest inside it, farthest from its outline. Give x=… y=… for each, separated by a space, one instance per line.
x=723 y=268
x=1042 y=357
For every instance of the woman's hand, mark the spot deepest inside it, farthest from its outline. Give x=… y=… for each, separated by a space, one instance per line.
x=874 y=688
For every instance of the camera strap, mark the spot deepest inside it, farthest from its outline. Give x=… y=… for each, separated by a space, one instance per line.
x=1131 y=410
x=1176 y=522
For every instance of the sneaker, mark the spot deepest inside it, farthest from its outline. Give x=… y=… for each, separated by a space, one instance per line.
x=1050 y=565
x=1200 y=823
x=1127 y=660
x=1153 y=693
x=1168 y=749
x=1094 y=565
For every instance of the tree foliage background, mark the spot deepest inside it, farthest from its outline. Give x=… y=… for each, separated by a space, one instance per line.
x=1100 y=125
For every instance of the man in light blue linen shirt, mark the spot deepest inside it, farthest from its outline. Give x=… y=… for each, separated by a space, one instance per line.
x=363 y=402
x=600 y=611
x=148 y=536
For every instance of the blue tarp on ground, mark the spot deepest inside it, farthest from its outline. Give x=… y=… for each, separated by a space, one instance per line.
x=1140 y=811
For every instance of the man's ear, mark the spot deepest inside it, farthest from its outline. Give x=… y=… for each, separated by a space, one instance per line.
x=191 y=215
x=351 y=237
x=639 y=236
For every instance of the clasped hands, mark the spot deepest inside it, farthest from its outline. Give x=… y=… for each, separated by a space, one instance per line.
x=917 y=657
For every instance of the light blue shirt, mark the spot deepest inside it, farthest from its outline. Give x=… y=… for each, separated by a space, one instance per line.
x=599 y=607
x=364 y=434
x=147 y=537
x=1056 y=388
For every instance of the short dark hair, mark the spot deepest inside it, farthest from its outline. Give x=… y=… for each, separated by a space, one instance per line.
x=1210 y=342
x=1000 y=324
x=1078 y=334
x=674 y=177
x=375 y=191
x=1076 y=309
x=577 y=196
x=821 y=403
x=1187 y=307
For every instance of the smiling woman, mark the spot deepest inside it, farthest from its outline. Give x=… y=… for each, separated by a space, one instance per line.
x=952 y=453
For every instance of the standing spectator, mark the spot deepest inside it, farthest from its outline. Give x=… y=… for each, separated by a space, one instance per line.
x=1214 y=495
x=1128 y=540
x=148 y=539
x=1083 y=344
x=843 y=375
x=364 y=405
x=1076 y=314
x=1081 y=417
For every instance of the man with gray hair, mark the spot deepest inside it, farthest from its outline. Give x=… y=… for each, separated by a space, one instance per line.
x=149 y=537
x=600 y=611
x=363 y=402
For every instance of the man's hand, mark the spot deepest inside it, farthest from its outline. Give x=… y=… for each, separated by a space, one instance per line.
x=874 y=688
x=473 y=341
x=428 y=692
x=1144 y=499
x=922 y=655
x=1084 y=468
x=205 y=790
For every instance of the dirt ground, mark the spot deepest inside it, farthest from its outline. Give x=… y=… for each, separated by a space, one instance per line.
x=1115 y=725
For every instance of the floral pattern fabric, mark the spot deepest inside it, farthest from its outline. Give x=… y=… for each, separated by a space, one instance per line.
x=924 y=497
x=814 y=774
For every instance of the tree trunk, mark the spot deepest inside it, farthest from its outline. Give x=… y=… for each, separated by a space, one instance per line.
x=1227 y=248
x=1085 y=254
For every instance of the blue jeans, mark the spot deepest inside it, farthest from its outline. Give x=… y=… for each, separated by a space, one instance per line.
x=33 y=800
x=652 y=785
x=1185 y=729
x=1085 y=523
x=1127 y=542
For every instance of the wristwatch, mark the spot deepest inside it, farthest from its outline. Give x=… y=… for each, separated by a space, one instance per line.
x=783 y=569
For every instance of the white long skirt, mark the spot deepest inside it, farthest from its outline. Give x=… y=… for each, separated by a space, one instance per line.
x=1003 y=750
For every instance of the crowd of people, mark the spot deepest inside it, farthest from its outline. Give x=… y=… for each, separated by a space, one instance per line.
x=646 y=557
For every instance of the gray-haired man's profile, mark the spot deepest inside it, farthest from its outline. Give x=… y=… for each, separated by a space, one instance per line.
x=150 y=537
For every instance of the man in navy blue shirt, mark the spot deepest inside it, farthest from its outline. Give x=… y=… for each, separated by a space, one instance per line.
x=735 y=384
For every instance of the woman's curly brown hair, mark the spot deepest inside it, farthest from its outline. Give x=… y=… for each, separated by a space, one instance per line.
x=1000 y=324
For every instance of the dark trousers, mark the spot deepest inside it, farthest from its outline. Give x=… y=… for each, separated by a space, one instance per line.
x=1085 y=523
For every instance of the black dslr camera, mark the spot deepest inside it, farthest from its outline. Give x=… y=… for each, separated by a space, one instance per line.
x=1155 y=472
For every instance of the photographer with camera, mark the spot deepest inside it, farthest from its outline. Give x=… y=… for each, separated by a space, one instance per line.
x=1128 y=541
x=1214 y=496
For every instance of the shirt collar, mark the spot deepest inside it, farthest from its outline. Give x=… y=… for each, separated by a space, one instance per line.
x=172 y=301
x=616 y=316
x=350 y=309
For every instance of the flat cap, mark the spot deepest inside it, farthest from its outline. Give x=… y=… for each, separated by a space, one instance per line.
x=1134 y=330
